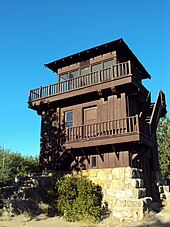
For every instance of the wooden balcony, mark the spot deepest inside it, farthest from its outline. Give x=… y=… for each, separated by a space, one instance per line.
x=129 y=129
x=116 y=75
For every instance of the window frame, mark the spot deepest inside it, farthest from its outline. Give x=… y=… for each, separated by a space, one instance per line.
x=87 y=66
x=68 y=122
x=94 y=162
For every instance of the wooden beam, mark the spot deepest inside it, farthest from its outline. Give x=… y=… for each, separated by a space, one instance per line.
x=117 y=153
x=101 y=155
x=88 y=160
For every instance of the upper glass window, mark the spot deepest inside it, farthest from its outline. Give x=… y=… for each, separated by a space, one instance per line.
x=96 y=68
x=73 y=80
x=108 y=64
x=74 y=74
x=64 y=77
x=64 y=85
x=85 y=71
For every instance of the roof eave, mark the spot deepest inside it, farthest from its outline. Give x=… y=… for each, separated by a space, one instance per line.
x=117 y=45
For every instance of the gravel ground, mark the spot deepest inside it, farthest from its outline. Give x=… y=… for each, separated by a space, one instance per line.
x=161 y=219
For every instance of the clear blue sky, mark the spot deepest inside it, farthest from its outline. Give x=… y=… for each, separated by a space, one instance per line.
x=35 y=32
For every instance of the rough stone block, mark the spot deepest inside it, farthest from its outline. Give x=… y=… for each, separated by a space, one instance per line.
x=121 y=203
x=167 y=203
x=130 y=193
x=118 y=173
x=102 y=174
x=136 y=193
x=93 y=172
x=137 y=213
x=110 y=192
x=134 y=203
x=133 y=173
x=133 y=183
x=85 y=173
x=115 y=184
x=166 y=188
x=119 y=193
x=111 y=202
x=109 y=177
x=122 y=212
x=128 y=172
x=167 y=195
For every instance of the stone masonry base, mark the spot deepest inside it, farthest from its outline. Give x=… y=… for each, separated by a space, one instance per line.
x=123 y=190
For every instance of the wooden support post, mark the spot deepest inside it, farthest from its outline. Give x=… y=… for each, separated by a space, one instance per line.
x=129 y=67
x=49 y=90
x=40 y=92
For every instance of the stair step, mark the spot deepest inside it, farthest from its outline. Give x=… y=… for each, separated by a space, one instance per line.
x=162 y=196
x=166 y=188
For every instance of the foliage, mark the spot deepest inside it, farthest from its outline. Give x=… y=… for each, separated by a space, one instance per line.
x=14 y=164
x=77 y=199
x=163 y=138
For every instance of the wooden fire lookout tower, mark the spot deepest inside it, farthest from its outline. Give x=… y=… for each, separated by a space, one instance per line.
x=98 y=114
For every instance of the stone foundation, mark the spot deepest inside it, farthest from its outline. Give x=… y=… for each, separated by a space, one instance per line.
x=163 y=188
x=123 y=190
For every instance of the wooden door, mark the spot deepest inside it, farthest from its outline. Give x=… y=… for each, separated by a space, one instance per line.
x=90 y=119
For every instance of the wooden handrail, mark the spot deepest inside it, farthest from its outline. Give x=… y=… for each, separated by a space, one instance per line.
x=156 y=112
x=111 y=73
x=103 y=129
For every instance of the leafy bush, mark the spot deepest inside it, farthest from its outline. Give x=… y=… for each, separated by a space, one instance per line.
x=77 y=199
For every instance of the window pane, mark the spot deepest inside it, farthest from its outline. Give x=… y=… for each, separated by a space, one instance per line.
x=85 y=80
x=63 y=83
x=96 y=67
x=108 y=64
x=93 y=161
x=68 y=124
x=73 y=74
x=69 y=116
x=95 y=72
x=107 y=73
x=73 y=81
x=64 y=77
x=85 y=71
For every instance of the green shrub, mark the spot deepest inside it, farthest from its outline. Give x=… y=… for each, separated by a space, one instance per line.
x=77 y=199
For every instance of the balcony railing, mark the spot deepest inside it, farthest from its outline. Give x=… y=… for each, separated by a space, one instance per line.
x=112 y=73
x=104 y=129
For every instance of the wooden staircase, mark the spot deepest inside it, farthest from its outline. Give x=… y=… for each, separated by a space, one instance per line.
x=152 y=112
x=159 y=110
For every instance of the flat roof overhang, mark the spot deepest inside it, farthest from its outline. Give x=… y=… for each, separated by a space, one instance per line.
x=117 y=45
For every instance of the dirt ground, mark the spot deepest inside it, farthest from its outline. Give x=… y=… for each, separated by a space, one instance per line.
x=161 y=219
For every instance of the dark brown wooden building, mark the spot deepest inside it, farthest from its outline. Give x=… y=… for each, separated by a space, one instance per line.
x=98 y=114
